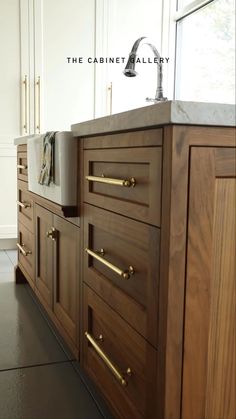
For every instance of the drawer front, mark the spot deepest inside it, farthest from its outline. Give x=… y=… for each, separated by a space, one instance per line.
x=26 y=253
x=121 y=362
x=137 y=168
x=22 y=167
x=126 y=243
x=25 y=206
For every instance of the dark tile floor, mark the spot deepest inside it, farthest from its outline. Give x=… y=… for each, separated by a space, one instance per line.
x=38 y=379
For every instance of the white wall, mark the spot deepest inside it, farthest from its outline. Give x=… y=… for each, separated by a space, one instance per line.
x=10 y=114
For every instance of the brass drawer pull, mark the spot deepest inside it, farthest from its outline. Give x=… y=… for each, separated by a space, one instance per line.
x=111 y=181
x=124 y=274
x=25 y=104
x=109 y=364
x=23 y=204
x=52 y=233
x=22 y=250
x=21 y=166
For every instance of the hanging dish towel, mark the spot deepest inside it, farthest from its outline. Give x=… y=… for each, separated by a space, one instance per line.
x=46 y=175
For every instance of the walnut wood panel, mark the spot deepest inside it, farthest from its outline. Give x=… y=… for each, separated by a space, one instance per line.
x=144 y=138
x=44 y=254
x=209 y=338
x=25 y=215
x=71 y=211
x=125 y=349
x=26 y=240
x=22 y=174
x=141 y=202
x=66 y=251
x=176 y=148
x=126 y=243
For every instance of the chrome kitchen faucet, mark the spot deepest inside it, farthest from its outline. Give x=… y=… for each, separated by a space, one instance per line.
x=129 y=70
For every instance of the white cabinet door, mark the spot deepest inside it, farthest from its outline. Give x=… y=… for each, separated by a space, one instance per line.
x=10 y=114
x=60 y=93
x=119 y=25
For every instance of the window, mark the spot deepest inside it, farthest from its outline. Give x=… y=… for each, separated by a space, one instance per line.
x=205 y=51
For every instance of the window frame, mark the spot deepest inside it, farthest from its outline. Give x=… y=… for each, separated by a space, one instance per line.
x=171 y=15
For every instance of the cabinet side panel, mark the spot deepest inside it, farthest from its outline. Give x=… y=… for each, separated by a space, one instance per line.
x=220 y=392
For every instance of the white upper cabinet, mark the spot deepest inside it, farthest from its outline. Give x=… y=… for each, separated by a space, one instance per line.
x=10 y=116
x=56 y=92
x=119 y=25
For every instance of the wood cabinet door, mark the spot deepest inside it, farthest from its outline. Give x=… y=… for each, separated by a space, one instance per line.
x=66 y=270
x=44 y=253
x=209 y=332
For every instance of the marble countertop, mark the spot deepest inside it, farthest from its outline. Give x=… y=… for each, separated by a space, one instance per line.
x=23 y=140
x=170 y=112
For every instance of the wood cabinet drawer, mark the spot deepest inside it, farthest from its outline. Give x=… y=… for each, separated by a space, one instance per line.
x=25 y=206
x=126 y=243
x=22 y=167
x=26 y=253
x=121 y=362
x=139 y=168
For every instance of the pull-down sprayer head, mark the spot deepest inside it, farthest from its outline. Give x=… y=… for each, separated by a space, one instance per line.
x=130 y=71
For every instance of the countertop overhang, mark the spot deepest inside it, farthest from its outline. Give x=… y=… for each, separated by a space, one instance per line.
x=164 y=113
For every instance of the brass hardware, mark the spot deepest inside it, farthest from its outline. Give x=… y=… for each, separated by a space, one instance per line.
x=111 y=181
x=24 y=252
x=25 y=111
x=108 y=363
x=23 y=204
x=22 y=166
x=110 y=97
x=38 y=101
x=124 y=274
x=52 y=234
x=100 y=338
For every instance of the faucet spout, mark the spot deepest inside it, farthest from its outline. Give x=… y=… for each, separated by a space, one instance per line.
x=130 y=71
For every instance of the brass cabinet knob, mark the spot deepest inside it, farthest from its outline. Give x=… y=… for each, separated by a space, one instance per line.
x=52 y=234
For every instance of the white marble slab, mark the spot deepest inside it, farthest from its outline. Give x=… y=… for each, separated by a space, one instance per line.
x=164 y=113
x=23 y=140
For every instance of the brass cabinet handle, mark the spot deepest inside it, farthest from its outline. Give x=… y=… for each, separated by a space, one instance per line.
x=112 y=181
x=38 y=101
x=52 y=233
x=23 y=204
x=110 y=97
x=22 y=166
x=25 y=110
x=124 y=274
x=24 y=252
x=109 y=364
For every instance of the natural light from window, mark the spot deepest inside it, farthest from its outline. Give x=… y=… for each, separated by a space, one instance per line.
x=205 y=66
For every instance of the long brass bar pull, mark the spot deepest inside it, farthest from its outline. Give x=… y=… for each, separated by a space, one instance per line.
x=37 y=112
x=25 y=102
x=22 y=250
x=111 y=181
x=109 y=364
x=110 y=97
x=23 y=204
x=124 y=274
x=21 y=166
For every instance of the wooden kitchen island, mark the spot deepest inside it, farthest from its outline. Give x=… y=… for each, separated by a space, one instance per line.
x=142 y=284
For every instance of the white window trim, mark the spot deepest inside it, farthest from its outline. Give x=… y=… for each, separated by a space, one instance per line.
x=190 y=8
x=170 y=18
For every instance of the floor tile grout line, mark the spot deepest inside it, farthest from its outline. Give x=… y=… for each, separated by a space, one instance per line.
x=67 y=361
x=12 y=263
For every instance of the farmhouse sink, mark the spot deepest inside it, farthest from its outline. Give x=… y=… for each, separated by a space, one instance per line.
x=63 y=190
